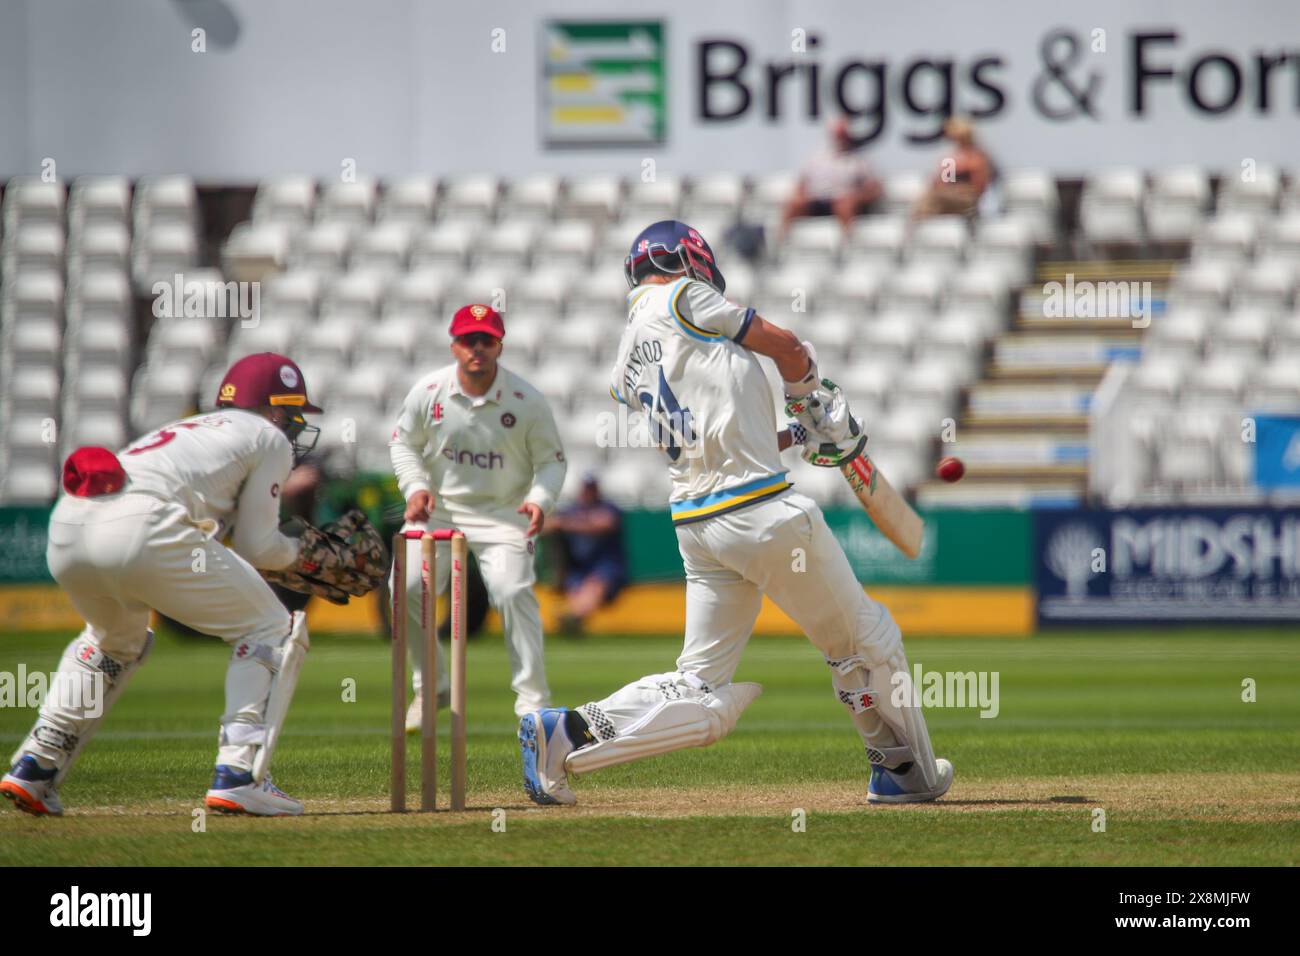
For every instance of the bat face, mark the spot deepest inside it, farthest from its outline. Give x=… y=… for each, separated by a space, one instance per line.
x=888 y=510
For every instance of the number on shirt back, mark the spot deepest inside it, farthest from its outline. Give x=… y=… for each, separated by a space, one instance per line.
x=671 y=426
x=160 y=438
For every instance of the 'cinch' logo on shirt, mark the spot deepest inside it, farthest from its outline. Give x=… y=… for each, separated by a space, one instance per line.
x=488 y=460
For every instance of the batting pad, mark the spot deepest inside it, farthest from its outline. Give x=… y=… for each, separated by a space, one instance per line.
x=670 y=725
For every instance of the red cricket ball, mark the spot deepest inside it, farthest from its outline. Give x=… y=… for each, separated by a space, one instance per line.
x=950 y=469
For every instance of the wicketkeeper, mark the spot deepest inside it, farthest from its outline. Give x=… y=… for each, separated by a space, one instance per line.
x=144 y=528
x=476 y=449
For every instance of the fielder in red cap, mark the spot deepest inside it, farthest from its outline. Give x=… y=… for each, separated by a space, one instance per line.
x=476 y=448
x=142 y=529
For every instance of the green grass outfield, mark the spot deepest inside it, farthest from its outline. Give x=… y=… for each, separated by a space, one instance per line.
x=1150 y=727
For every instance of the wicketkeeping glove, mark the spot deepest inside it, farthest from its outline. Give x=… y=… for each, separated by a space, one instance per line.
x=345 y=557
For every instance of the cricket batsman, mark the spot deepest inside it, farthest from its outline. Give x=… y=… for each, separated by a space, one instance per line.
x=689 y=360
x=143 y=529
x=476 y=448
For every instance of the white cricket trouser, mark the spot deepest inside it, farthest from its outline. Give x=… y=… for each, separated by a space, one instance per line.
x=784 y=549
x=119 y=555
x=505 y=559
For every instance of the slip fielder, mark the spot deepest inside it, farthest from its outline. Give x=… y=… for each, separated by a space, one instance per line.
x=689 y=360
x=476 y=448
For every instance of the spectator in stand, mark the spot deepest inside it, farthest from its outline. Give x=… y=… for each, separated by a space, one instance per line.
x=963 y=175
x=594 y=567
x=836 y=182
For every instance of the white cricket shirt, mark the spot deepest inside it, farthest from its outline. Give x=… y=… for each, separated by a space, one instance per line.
x=225 y=469
x=681 y=362
x=481 y=456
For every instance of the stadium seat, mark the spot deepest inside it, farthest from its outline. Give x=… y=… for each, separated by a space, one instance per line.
x=902 y=191
x=469 y=199
x=877 y=239
x=1250 y=192
x=408 y=200
x=383 y=249
x=940 y=241
x=287 y=199
x=544 y=291
x=815 y=241
x=1266 y=284
x=165 y=201
x=1176 y=203
x=767 y=195
x=1226 y=238
x=591 y=197
x=36 y=246
x=99 y=200
x=418 y=291
x=716 y=196
x=29 y=201
x=567 y=245
x=252 y=251
x=856 y=286
x=1205 y=284
x=355 y=295
x=918 y=288
x=1110 y=210
x=447 y=245
x=28 y=483
x=653 y=201
x=100 y=245
x=351 y=203
x=533 y=198
x=1031 y=196
x=31 y=390
x=507 y=245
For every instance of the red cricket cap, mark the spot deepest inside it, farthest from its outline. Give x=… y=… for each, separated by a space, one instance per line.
x=477 y=318
x=265 y=379
x=92 y=471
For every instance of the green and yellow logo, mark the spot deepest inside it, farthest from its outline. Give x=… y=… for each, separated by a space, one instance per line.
x=604 y=83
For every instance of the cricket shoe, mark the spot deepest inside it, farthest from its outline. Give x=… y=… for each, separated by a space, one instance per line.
x=31 y=788
x=415 y=713
x=889 y=786
x=544 y=742
x=233 y=791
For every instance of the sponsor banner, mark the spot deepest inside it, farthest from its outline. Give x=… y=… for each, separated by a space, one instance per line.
x=22 y=544
x=1167 y=565
x=961 y=547
x=1277 y=451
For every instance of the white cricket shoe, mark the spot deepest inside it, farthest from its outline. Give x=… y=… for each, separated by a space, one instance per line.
x=31 y=788
x=543 y=744
x=233 y=791
x=415 y=713
x=886 y=786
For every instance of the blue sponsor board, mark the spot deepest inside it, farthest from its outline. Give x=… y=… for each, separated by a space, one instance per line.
x=1277 y=451
x=1167 y=565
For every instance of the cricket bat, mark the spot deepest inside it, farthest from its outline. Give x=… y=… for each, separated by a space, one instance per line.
x=887 y=508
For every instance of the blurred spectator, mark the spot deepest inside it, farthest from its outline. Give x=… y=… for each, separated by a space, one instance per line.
x=836 y=182
x=590 y=532
x=962 y=178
